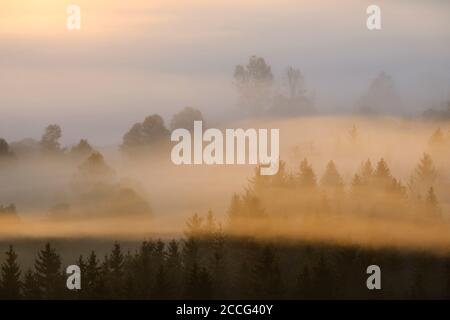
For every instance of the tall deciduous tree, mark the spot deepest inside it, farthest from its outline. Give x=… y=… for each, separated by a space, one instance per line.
x=50 y=139
x=185 y=119
x=254 y=82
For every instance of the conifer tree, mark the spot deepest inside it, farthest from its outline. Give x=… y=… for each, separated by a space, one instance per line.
x=304 y=284
x=306 y=177
x=432 y=202
x=424 y=177
x=198 y=283
x=174 y=269
x=366 y=172
x=382 y=175
x=116 y=271
x=48 y=272
x=161 y=287
x=92 y=279
x=266 y=274
x=437 y=139
x=331 y=179
x=31 y=287
x=10 y=284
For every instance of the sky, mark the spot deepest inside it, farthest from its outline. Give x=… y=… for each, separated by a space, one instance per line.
x=135 y=58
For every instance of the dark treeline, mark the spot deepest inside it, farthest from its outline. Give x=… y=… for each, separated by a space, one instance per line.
x=212 y=266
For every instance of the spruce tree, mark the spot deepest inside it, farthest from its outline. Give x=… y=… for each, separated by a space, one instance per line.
x=306 y=177
x=92 y=279
x=31 y=288
x=331 y=179
x=266 y=276
x=425 y=175
x=174 y=269
x=48 y=273
x=116 y=271
x=432 y=203
x=10 y=284
x=366 y=172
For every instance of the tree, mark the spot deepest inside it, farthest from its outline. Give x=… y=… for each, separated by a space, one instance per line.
x=425 y=175
x=48 y=272
x=82 y=149
x=437 y=139
x=116 y=271
x=432 y=203
x=161 y=288
x=304 y=284
x=173 y=269
x=306 y=177
x=295 y=82
x=31 y=287
x=331 y=179
x=185 y=119
x=193 y=234
x=95 y=169
x=381 y=96
x=145 y=136
x=4 y=149
x=425 y=170
x=10 y=284
x=295 y=102
x=91 y=283
x=382 y=175
x=198 y=284
x=366 y=172
x=266 y=274
x=254 y=82
x=50 y=139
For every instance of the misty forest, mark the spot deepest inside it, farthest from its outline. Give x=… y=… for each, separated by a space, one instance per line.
x=352 y=190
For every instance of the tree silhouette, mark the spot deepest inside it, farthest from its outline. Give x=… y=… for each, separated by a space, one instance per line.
x=305 y=286
x=294 y=102
x=185 y=119
x=145 y=136
x=437 y=139
x=198 y=285
x=432 y=203
x=382 y=175
x=426 y=170
x=266 y=274
x=174 y=269
x=10 y=284
x=50 y=139
x=48 y=272
x=82 y=149
x=366 y=172
x=254 y=82
x=331 y=179
x=4 y=149
x=31 y=286
x=381 y=96
x=95 y=169
x=93 y=283
x=116 y=271
x=306 y=177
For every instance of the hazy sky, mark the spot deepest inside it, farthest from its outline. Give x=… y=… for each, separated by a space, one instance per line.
x=135 y=58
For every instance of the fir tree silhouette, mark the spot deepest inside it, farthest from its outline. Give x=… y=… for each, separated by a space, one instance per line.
x=48 y=273
x=31 y=288
x=10 y=284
